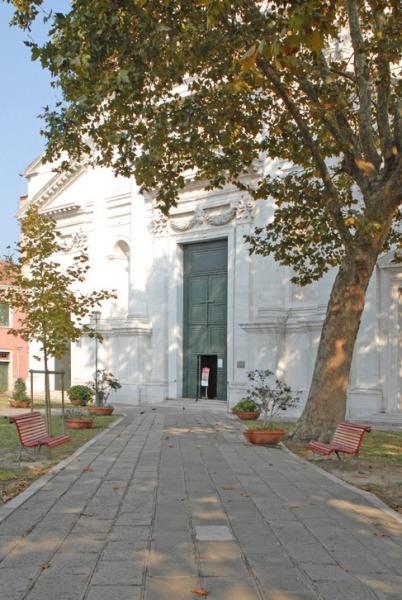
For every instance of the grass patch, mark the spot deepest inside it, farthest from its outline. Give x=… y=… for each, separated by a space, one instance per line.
x=14 y=479
x=376 y=469
x=38 y=402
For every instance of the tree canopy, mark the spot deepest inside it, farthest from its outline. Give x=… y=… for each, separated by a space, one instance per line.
x=158 y=88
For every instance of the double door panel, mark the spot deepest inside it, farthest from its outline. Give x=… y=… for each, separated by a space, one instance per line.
x=205 y=312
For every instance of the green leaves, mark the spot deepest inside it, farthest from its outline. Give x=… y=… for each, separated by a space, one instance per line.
x=53 y=313
x=157 y=88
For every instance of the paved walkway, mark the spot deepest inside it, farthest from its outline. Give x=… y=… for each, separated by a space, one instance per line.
x=172 y=500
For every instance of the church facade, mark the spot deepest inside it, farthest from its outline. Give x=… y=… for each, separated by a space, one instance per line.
x=190 y=295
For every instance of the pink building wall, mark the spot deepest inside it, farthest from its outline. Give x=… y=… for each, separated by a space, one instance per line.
x=14 y=351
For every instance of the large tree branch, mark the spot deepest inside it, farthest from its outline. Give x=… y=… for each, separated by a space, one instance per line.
x=343 y=138
x=364 y=85
x=398 y=124
x=333 y=204
x=392 y=190
x=383 y=83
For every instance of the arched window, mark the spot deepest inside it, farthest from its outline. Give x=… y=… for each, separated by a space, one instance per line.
x=119 y=274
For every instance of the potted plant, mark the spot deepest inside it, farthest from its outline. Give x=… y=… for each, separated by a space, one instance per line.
x=246 y=409
x=79 y=395
x=78 y=418
x=19 y=398
x=271 y=399
x=106 y=384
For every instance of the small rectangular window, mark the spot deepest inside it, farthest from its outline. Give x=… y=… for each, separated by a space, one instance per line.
x=4 y=315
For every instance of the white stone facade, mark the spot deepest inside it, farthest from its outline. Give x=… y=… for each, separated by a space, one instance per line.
x=271 y=323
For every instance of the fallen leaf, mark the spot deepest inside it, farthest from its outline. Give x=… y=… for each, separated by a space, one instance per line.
x=171 y=445
x=199 y=592
x=87 y=470
x=365 y=166
x=84 y=514
x=244 y=494
x=115 y=487
x=44 y=567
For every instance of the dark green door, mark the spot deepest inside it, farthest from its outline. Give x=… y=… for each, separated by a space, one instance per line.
x=205 y=312
x=3 y=376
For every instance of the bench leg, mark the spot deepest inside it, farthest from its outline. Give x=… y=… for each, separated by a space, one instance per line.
x=338 y=455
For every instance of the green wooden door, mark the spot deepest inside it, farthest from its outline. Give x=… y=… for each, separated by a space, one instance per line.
x=205 y=312
x=3 y=376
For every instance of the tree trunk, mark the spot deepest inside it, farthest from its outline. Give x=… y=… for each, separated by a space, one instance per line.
x=48 y=412
x=326 y=403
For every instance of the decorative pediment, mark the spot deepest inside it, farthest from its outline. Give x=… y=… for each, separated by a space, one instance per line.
x=52 y=189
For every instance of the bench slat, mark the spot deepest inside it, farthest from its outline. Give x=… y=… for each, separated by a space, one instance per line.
x=32 y=432
x=347 y=438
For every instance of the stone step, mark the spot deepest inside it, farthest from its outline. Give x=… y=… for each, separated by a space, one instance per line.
x=212 y=405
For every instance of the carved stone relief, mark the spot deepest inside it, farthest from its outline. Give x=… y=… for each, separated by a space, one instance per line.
x=240 y=209
x=78 y=241
x=159 y=222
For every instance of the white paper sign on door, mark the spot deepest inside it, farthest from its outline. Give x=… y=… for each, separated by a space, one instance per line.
x=204 y=377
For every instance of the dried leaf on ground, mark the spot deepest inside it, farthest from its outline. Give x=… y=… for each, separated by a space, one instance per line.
x=200 y=592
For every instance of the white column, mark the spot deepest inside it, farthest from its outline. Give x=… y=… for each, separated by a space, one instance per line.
x=140 y=250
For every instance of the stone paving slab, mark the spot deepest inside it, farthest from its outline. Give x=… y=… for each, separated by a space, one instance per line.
x=170 y=500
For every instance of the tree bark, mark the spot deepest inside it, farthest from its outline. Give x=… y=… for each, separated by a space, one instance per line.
x=326 y=403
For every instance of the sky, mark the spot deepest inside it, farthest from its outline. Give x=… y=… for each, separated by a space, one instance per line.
x=24 y=90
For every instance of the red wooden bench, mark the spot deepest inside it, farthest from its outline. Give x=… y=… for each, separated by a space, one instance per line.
x=33 y=435
x=347 y=439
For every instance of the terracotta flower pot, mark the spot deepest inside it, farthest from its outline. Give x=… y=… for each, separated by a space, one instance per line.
x=101 y=410
x=271 y=437
x=247 y=415
x=20 y=403
x=79 y=423
x=75 y=402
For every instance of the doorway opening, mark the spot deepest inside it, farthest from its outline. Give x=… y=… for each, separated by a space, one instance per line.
x=210 y=362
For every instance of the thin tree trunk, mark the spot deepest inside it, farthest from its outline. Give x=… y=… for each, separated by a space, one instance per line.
x=47 y=395
x=326 y=403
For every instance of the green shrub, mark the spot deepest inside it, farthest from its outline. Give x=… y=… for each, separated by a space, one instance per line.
x=80 y=392
x=78 y=413
x=246 y=406
x=20 y=390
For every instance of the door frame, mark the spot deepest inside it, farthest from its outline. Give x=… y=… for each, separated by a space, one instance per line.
x=8 y=362
x=176 y=308
x=205 y=246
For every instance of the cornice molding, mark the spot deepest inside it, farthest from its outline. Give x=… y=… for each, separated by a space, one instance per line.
x=287 y=322
x=386 y=262
x=61 y=210
x=124 y=327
